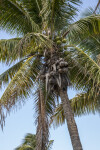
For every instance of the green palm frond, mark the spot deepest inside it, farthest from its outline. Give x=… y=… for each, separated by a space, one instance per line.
x=29 y=142
x=58 y=117
x=48 y=98
x=19 y=20
x=63 y=12
x=85 y=76
x=45 y=12
x=85 y=103
x=49 y=144
x=81 y=29
x=19 y=87
x=24 y=147
x=20 y=83
x=13 y=49
x=6 y=76
x=91 y=45
x=84 y=71
x=33 y=7
x=27 y=45
x=44 y=107
x=58 y=13
x=30 y=138
x=82 y=104
x=7 y=48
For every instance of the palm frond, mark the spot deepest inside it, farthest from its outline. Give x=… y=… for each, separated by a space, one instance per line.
x=29 y=142
x=7 y=48
x=85 y=76
x=50 y=100
x=44 y=105
x=58 y=117
x=30 y=138
x=6 y=76
x=91 y=46
x=29 y=42
x=24 y=147
x=83 y=28
x=84 y=71
x=15 y=17
x=33 y=8
x=13 y=49
x=58 y=13
x=19 y=87
x=85 y=103
x=50 y=144
x=82 y=104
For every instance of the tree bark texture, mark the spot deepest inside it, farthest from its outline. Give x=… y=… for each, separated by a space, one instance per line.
x=42 y=133
x=72 y=127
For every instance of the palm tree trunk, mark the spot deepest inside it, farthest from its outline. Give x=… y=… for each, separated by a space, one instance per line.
x=73 y=131
x=42 y=133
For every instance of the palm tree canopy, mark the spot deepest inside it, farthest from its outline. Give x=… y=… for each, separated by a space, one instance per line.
x=34 y=15
x=41 y=24
x=29 y=143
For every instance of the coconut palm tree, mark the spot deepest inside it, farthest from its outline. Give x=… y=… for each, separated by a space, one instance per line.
x=50 y=57
x=29 y=143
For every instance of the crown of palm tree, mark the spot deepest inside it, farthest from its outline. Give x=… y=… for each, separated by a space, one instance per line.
x=29 y=143
x=43 y=26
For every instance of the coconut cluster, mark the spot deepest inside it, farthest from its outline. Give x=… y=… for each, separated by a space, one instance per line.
x=60 y=43
x=59 y=40
x=38 y=49
x=55 y=74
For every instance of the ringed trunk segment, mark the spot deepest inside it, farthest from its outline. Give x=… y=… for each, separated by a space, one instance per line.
x=72 y=127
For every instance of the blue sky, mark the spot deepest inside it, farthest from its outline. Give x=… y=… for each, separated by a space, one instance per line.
x=21 y=122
